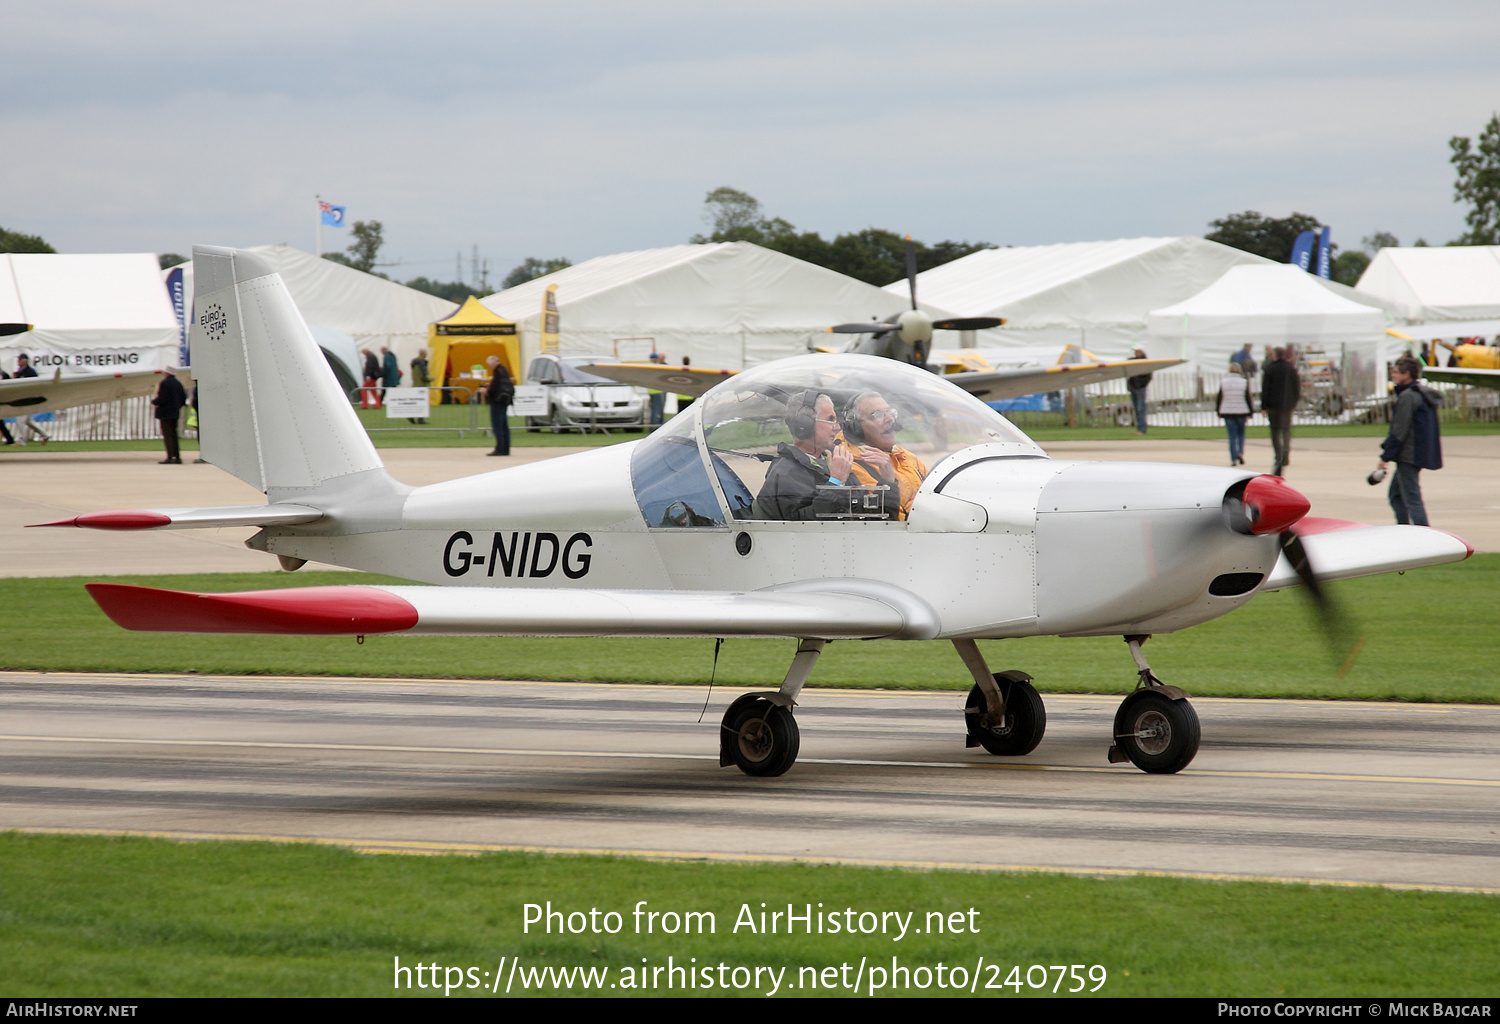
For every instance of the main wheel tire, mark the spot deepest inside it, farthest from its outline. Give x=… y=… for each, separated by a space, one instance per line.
x=762 y=737
x=1159 y=735
x=1025 y=717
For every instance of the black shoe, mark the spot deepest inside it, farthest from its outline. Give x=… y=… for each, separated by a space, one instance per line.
x=170 y=462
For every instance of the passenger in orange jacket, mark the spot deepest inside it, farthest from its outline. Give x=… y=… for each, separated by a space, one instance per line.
x=870 y=427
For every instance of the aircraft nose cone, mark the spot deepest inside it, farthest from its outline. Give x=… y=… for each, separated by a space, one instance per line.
x=1273 y=504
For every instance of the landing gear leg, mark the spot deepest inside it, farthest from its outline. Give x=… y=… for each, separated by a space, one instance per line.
x=758 y=734
x=1156 y=729
x=1004 y=713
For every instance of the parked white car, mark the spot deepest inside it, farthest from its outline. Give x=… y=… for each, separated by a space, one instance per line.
x=578 y=400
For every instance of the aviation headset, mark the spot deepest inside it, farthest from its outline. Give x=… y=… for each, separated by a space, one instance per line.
x=852 y=421
x=802 y=414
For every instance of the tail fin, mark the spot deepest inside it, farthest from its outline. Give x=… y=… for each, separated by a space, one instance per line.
x=271 y=413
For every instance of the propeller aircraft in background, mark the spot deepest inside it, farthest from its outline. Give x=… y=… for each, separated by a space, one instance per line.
x=907 y=338
x=741 y=518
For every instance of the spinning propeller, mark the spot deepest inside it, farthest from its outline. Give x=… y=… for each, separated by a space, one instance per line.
x=912 y=328
x=1267 y=504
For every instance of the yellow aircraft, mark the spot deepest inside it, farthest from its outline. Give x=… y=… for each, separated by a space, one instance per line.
x=1474 y=365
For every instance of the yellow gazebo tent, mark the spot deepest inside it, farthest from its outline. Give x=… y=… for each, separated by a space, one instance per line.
x=466 y=339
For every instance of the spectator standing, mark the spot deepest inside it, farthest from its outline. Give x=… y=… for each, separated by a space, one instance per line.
x=500 y=392
x=420 y=378
x=369 y=394
x=390 y=371
x=658 y=398
x=169 y=399
x=1413 y=443
x=25 y=369
x=1235 y=407
x=683 y=401
x=1137 y=386
x=1246 y=361
x=1280 y=391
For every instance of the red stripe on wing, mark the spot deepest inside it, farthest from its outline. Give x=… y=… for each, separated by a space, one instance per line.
x=322 y=611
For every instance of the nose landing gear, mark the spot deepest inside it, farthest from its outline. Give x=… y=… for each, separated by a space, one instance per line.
x=1156 y=729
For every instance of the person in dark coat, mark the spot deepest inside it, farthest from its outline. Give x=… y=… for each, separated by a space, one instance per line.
x=499 y=393
x=1280 y=390
x=1413 y=443
x=790 y=490
x=1137 y=386
x=169 y=399
x=5 y=430
x=369 y=392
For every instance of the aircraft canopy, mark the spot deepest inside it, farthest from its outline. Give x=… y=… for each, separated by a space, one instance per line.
x=709 y=466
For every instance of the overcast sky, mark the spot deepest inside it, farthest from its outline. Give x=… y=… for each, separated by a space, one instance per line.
x=580 y=129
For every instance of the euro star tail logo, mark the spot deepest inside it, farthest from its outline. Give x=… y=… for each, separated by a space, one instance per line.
x=214 y=322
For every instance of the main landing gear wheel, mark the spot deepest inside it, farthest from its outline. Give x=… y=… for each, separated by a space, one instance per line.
x=1159 y=735
x=1020 y=729
x=758 y=737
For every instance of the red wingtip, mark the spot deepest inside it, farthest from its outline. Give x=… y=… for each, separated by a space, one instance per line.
x=317 y=611
x=1277 y=504
x=113 y=521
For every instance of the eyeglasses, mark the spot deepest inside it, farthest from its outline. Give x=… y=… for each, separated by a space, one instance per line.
x=832 y=423
x=880 y=414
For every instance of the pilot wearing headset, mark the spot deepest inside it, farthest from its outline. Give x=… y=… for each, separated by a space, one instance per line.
x=870 y=422
x=812 y=460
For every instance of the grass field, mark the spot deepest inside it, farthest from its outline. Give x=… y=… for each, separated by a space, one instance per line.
x=1423 y=642
x=128 y=917
x=450 y=427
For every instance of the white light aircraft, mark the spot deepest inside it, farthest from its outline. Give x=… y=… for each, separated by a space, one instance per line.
x=719 y=524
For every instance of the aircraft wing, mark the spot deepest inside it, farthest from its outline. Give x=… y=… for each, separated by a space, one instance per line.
x=1339 y=550
x=832 y=609
x=679 y=380
x=994 y=385
x=279 y=514
x=988 y=385
x=1456 y=375
x=26 y=396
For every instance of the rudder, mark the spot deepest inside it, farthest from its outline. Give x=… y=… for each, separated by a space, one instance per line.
x=271 y=411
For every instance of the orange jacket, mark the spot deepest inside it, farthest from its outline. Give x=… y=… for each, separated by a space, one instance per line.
x=909 y=476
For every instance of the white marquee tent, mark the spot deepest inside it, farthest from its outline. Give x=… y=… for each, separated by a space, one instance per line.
x=371 y=310
x=728 y=305
x=93 y=313
x=1271 y=305
x=1096 y=294
x=1458 y=282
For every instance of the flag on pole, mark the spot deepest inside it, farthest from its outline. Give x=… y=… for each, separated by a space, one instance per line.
x=333 y=215
x=1302 y=250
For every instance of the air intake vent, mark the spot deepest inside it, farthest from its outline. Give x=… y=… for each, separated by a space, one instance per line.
x=1233 y=584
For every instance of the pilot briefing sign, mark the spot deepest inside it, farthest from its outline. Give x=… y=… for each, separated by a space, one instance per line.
x=77 y=363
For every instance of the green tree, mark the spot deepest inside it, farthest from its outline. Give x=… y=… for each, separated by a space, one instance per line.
x=1372 y=244
x=1478 y=184
x=532 y=268
x=1348 y=266
x=874 y=255
x=1270 y=237
x=170 y=259
x=453 y=291
x=14 y=241
x=369 y=236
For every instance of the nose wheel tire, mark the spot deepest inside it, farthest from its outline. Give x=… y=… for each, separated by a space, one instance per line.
x=759 y=737
x=1159 y=735
x=1020 y=729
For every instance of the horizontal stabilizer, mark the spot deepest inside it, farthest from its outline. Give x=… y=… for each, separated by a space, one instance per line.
x=280 y=514
x=1339 y=550
x=830 y=613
